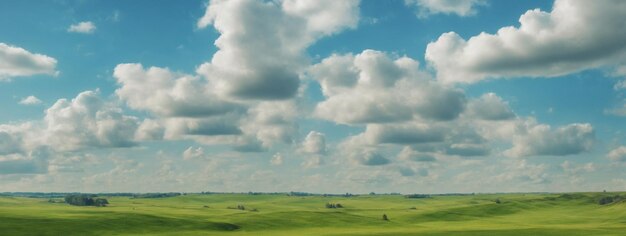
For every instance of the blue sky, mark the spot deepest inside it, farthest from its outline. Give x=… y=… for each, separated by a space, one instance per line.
x=317 y=96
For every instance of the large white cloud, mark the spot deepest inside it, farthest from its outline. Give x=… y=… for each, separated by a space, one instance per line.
x=262 y=44
x=88 y=121
x=432 y=7
x=168 y=94
x=371 y=87
x=542 y=140
x=576 y=35
x=16 y=61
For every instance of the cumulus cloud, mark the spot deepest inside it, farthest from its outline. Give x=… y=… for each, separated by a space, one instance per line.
x=85 y=27
x=168 y=94
x=16 y=61
x=187 y=106
x=10 y=140
x=409 y=154
x=88 y=121
x=542 y=140
x=314 y=143
x=617 y=154
x=370 y=158
x=30 y=100
x=371 y=87
x=576 y=35
x=271 y=122
x=262 y=59
x=426 y=8
x=150 y=130
x=490 y=107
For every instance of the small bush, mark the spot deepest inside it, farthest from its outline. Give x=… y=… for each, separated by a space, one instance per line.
x=385 y=218
x=609 y=199
x=334 y=205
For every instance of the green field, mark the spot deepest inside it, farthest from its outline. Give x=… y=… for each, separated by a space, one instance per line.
x=517 y=214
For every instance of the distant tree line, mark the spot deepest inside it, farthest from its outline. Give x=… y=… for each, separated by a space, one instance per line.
x=85 y=200
x=156 y=195
x=417 y=196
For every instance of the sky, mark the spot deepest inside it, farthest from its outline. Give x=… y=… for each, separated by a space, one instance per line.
x=408 y=96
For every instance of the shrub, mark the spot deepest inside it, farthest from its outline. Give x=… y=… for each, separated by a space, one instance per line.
x=385 y=217
x=334 y=205
x=609 y=199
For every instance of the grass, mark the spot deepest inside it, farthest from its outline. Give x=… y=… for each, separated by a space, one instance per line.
x=517 y=214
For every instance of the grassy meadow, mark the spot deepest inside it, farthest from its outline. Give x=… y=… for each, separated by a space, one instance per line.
x=196 y=214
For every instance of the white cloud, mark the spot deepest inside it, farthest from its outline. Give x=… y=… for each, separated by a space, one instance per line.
x=150 y=130
x=370 y=158
x=573 y=169
x=193 y=153
x=413 y=133
x=408 y=153
x=262 y=59
x=85 y=27
x=271 y=122
x=88 y=121
x=32 y=162
x=542 y=140
x=314 y=143
x=575 y=36
x=490 y=107
x=30 y=100
x=16 y=61
x=373 y=88
x=168 y=94
x=458 y=7
x=617 y=154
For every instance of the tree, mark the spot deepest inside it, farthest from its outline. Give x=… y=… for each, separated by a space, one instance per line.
x=385 y=217
x=85 y=200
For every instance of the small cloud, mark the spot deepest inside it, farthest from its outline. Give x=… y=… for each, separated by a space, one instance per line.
x=277 y=159
x=115 y=16
x=85 y=27
x=30 y=100
x=619 y=111
x=193 y=153
x=620 y=85
x=618 y=154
